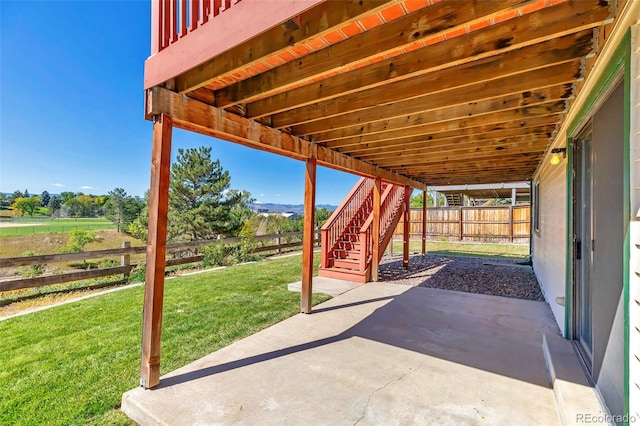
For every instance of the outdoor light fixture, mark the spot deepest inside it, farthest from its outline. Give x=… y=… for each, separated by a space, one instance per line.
x=555 y=155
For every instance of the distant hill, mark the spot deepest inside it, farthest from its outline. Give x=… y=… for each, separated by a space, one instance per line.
x=288 y=208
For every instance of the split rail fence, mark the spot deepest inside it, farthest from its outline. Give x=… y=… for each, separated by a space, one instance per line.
x=507 y=224
x=177 y=254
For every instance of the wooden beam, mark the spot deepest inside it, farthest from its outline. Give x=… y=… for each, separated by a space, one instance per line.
x=552 y=52
x=156 y=252
x=517 y=84
x=375 y=231
x=313 y=24
x=452 y=146
x=537 y=27
x=503 y=148
x=473 y=167
x=424 y=222
x=487 y=131
x=356 y=51
x=190 y=114
x=508 y=108
x=406 y=229
x=308 y=235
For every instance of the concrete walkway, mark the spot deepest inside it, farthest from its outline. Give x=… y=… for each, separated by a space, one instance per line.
x=325 y=285
x=381 y=354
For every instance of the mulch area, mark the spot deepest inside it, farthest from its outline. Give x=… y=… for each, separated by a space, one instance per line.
x=493 y=277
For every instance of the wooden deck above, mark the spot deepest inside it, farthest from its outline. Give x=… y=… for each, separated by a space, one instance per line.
x=418 y=92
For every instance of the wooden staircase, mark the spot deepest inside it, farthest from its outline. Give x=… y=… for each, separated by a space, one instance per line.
x=347 y=244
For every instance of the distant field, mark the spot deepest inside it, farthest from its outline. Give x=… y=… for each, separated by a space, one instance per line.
x=26 y=226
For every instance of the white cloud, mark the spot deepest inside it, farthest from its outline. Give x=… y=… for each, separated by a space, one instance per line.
x=57 y=185
x=257 y=202
x=277 y=195
x=262 y=195
x=87 y=187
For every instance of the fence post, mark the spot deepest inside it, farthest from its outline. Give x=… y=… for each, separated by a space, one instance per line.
x=461 y=228
x=511 y=223
x=278 y=241
x=125 y=260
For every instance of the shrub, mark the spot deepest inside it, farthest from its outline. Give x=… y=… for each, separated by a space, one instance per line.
x=137 y=274
x=108 y=263
x=78 y=239
x=32 y=271
x=221 y=254
x=215 y=254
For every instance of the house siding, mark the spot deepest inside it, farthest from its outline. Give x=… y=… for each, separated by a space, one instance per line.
x=549 y=244
x=634 y=251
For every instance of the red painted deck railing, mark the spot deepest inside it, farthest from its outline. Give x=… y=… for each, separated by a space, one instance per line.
x=391 y=203
x=172 y=20
x=336 y=225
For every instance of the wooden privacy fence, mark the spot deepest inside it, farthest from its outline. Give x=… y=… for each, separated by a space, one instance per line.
x=183 y=253
x=478 y=224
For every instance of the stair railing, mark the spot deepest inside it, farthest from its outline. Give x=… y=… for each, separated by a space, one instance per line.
x=390 y=216
x=391 y=202
x=342 y=217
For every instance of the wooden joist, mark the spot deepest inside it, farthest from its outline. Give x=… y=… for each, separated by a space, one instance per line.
x=467 y=76
x=516 y=84
x=514 y=107
x=359 y=49
x=466 y=150
x=417 y=143
x=527 y=30
x=438 y=132
x=311 y=24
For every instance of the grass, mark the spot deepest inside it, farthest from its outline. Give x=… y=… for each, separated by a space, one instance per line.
x=71 y=364
x=517 y=251
x=54 y=242
x=27 y=226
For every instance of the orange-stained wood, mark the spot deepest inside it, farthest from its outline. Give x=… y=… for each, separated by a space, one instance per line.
x=156 y=252
x=375 y=230
x=424 y=222
x=196 y=116
x=308 y=235
x=405 y=234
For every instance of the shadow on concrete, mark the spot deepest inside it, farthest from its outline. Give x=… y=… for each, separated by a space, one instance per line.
x=494 y=334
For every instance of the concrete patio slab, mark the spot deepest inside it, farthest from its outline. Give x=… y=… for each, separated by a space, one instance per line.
x=379 y=354
x=325 y=285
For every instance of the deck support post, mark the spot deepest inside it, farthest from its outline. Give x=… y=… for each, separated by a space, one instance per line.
x=156 y=251
x=424 y=222
x=406 y=228
x=308 y=235
x=375 y=230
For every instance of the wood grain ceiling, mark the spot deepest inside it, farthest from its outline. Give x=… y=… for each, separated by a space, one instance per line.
x=443 y=92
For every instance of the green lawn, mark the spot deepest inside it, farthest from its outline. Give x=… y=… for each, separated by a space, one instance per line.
x=26 y=225
x=71 y=364
x=518 y=251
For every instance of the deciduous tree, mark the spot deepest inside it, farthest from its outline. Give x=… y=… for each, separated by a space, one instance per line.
x=26 y=205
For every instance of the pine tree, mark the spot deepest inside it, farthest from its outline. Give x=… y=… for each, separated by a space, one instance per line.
x=201 y=205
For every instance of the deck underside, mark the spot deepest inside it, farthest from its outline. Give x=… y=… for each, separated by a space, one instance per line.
x=453 y=92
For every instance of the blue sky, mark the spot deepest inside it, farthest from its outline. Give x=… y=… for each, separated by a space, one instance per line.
x=71 y=108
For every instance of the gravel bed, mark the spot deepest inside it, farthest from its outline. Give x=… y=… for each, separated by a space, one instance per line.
x=469 y=274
